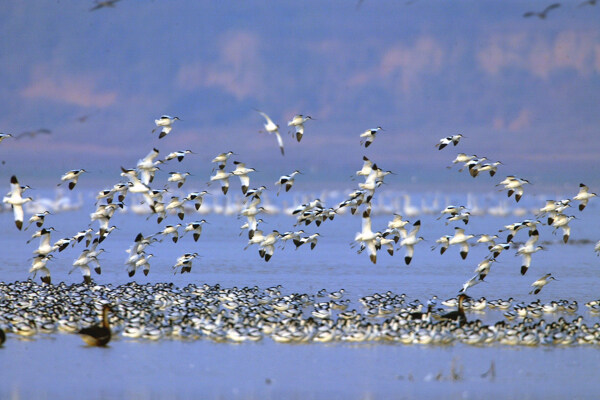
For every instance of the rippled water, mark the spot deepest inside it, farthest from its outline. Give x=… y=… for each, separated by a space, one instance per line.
x=60 y=366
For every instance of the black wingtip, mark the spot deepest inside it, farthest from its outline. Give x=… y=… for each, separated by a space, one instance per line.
x=523 y=270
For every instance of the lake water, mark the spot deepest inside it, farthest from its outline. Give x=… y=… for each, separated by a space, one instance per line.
x=59 y=365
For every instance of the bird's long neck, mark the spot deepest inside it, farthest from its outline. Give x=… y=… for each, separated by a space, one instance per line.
x=105 y=317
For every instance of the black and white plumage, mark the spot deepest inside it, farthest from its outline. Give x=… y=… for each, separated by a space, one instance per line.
x=410 y=240
x=514 y=185
x=185 y=262
x=147 y=166
x=39 y=265
x=5 y=136
x=526 y=250
x=368 y=136
x=196 y=198
x=178 y=178
x=221 y=159
x=37 y=219
x=271 y=128
x=462 y=240
x=241 y=171
x=16 y=200
x=298 y=123
x=196 y=228
x=287 y=181
x=179 y=155
x=454 y=139
x=540 y=283
x=72 y=177
x=165 y=122
x=583 y=196
x=222 y=176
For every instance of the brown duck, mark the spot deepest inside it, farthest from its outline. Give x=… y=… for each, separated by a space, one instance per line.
x=458 y=315
x=98 y=335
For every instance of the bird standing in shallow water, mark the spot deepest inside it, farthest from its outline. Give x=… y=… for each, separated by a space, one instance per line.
x=98 y=335
x=458 y=315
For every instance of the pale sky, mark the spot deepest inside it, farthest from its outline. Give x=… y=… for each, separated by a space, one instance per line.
x=524 y=91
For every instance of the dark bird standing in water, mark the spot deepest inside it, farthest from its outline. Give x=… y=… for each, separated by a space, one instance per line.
x=458 y=315
x=98 y=335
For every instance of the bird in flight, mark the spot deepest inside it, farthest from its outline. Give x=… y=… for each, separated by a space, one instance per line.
x=43 y=131
x=104 y=4
x=272 y=127
x=543 y=14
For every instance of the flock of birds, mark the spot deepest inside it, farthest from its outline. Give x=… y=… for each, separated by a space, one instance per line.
x=399 y=232
x=99 y=4
x=203 y=312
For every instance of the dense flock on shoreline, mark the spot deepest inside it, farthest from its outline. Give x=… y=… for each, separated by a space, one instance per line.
x=151 y=312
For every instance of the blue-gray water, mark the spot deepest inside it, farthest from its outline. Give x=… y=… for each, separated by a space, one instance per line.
x=59 y=365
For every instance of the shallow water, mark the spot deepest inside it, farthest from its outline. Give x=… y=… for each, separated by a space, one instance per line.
x=62 y=367
x=59 y=365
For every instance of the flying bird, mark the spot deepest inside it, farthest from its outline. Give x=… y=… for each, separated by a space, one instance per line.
x=540 y=283
x=16 y=200
x=369 y=135
x=5 y=136
x=287 y=181
x=72 y=177
x=31 y=134
x=542 y=14
x=583 y=196
x=271 y=128
x=166 y=122
x=454 y=139
x=98 y=4
x=298 y=123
